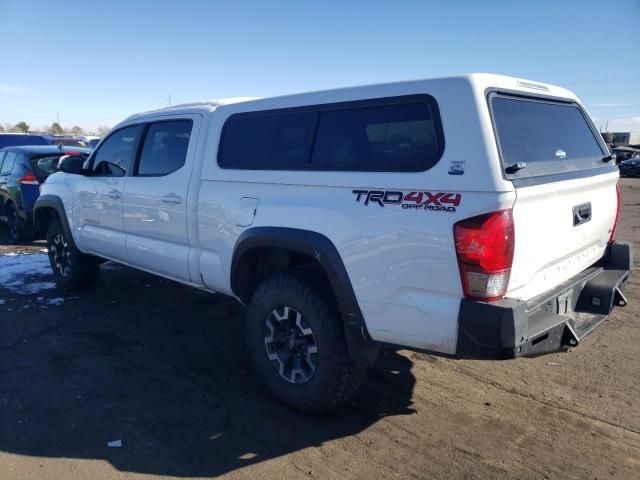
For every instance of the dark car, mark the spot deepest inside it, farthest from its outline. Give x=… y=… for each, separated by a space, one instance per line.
x=22 y=170
x=16 y=139
x=630 y=168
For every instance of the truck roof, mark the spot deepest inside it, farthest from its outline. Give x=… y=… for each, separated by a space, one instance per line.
x=479 y=81
x=204 y=105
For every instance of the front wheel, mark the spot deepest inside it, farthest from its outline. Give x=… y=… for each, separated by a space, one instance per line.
x=297 y=342
x=72 y=269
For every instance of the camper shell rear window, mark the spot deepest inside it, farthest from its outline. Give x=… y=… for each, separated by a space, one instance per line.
x=540 y=137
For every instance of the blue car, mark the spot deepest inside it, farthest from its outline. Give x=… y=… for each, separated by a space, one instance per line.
x=22 y=170
x=16 y=139
x=630 y=167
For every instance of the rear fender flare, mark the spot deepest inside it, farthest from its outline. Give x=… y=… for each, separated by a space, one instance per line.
x=316 y=246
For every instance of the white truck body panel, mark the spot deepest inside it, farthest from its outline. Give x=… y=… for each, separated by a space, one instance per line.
x=402 y=265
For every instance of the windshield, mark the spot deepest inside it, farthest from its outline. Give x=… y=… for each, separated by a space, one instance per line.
x=544 y=137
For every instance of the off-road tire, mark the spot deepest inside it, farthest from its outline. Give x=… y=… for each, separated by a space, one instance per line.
x=72 y=269
x=336 y=376
x=19 y=230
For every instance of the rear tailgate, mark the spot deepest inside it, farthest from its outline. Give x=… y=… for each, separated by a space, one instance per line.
x=566 y=199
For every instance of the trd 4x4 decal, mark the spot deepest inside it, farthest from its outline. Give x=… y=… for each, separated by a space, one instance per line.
x=438 y=201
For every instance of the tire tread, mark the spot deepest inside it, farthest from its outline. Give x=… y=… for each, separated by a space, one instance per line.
x=348 y=377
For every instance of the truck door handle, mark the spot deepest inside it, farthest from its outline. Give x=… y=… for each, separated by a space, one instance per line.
x=115 y=194
x=172 y=198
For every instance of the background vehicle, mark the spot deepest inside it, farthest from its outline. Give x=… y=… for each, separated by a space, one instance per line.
x=15 y=139
x=423 y=214
x=624 y=153
x=22 y=170
x=94 y=142
x=69 y=141
x=630 y=167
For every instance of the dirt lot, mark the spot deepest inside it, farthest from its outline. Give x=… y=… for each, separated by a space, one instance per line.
x=163 y=368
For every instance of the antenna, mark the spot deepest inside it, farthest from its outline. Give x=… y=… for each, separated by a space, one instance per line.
x=169 y=99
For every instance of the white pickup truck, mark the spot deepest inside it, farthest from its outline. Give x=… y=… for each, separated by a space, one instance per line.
x=470 y=216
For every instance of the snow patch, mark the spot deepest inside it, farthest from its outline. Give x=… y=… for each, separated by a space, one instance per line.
x=17 y=272
x=111 y=266
x=50 y=301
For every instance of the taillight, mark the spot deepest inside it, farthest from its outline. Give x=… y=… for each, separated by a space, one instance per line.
x=612 y=237
x=484 y=245
x=28 y=179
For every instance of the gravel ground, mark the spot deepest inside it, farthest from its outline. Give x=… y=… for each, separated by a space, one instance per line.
x=163 y=368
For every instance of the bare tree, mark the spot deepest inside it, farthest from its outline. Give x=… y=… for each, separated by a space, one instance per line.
x=55 y=129
x=21 y=127
x=1 y=128
x=102 y=131
x=77 y=130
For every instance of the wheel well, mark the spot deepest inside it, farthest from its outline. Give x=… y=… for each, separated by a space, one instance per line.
x=43 y=217
x=258 y=263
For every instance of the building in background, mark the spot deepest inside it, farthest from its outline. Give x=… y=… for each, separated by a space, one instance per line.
x=616 y=139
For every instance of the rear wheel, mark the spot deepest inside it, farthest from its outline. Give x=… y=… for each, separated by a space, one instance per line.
x=18 y=229
x=296 y=340
x=72 y=269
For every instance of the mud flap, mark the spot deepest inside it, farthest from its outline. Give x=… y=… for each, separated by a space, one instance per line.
x=362 y=350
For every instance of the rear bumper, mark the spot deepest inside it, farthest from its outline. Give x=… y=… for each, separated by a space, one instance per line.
x=559 y=318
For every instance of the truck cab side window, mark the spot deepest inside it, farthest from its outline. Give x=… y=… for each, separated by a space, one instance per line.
x=115 y=156
x=165 y=147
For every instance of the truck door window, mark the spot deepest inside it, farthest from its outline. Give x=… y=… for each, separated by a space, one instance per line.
x=165 y=147
x=115 y=156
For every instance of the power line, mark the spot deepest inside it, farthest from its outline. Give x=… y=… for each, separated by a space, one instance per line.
x=614 y=106
x=608 y=93
x=602 y=80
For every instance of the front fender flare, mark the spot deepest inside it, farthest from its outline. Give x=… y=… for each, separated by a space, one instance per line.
x=55 y=203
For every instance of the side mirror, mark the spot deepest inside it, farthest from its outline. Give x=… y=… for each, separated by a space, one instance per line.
x=71 y=164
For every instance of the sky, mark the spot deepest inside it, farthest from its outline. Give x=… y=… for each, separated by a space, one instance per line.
x=94 y=63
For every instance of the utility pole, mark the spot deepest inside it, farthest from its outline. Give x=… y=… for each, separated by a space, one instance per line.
x=58 y=114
